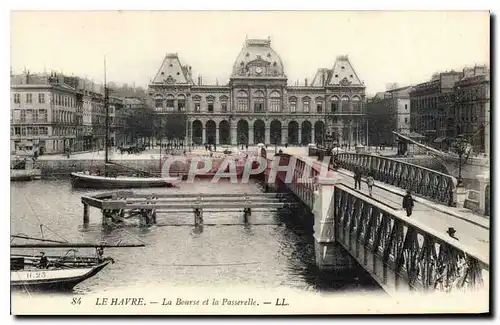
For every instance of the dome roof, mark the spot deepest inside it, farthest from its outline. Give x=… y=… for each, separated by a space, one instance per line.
x=258 y=59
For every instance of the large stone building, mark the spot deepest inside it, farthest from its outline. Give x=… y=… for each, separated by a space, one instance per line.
x=257 y=105
x=430 y=102
x=42 y=113
x=451 y=104
x=471 y=114
x=387 y=112
x=59 y=113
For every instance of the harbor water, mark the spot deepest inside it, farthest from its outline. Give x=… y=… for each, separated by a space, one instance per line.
x=274 y=250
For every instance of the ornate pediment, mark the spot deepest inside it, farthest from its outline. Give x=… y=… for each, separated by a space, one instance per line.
x=258 y=61
x=169 y=80
x=345 y=82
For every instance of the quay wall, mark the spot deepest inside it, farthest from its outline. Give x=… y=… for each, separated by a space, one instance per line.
x=64 y=167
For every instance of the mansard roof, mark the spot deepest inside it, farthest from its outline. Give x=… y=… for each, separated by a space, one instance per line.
x=172 y=72
x=258 y=52
x=343 y=73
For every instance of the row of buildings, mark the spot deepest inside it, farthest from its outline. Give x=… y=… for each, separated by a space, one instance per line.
x=257 y=105
x=451 y=104
x=58 y=113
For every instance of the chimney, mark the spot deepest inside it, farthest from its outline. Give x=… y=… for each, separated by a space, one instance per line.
x=306 y=82
x=201 y=80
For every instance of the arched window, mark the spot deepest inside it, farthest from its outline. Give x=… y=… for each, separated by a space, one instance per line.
x=356 y=104
x=335 y=104
x=344 y=103
x=210 y=103
x=319 y=104
x=258 y=101
x=181 y=102
x=293 y=104
x=275 y=101
x=223 y=103
x=158 y=102
x=170 y=102
x=306 y=104
x=242 y=101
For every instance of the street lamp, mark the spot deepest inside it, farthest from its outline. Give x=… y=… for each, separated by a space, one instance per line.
x=329 y=142
x=461 y=147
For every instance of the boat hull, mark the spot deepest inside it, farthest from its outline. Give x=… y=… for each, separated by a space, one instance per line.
x=53 y=280
x=24 y=175
x=79 y=180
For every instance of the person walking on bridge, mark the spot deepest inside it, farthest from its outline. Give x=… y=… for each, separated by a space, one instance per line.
x=408 y=203
x=357 y=178
x=370 y=182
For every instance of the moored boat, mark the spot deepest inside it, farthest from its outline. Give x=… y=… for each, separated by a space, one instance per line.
x=32 y=272
x=57 y=276
x=23 y=170
x=86 y=180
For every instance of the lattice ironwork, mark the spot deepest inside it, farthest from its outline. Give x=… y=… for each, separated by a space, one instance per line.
x=399 y=253
x=420 y=180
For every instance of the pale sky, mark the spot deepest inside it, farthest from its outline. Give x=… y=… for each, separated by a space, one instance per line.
x=384 y=47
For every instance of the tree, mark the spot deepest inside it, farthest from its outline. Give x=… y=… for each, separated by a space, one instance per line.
x=139 y=124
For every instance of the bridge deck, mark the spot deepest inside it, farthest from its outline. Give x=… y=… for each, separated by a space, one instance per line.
x=467 y=231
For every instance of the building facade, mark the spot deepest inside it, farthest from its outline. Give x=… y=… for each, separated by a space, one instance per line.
x=452 y=104
x=116 y=120
x=43 y=112
x=471 y=114
x=60 y=113
x=257 y=105
x=431 y=102
x=387 y=112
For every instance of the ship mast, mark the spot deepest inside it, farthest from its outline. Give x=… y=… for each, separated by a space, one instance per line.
x=106 y=108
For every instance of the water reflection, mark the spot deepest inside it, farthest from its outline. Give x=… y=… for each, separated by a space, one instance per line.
x=275 y=248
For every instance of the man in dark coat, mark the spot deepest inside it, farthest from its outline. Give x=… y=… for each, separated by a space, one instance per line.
x=408 y=203
x=357 y=178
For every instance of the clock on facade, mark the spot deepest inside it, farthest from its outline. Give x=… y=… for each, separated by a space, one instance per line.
x=258 y=70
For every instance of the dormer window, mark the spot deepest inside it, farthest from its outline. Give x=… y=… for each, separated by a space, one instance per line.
x=268 y=55
x=171 y=65
x=275 y=64
x=242 y=64
x=336 y=76
x=178 y=73
x=342 y=67
x=350 y=76
x=247 y=55
x=162 y=73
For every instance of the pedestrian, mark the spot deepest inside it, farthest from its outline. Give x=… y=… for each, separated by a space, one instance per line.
x=370 y=181
x=44 y=263
x=451 y=232
x=357 y=178
x=408 y=203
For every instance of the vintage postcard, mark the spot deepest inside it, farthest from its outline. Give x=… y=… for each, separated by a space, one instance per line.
x=250 y=163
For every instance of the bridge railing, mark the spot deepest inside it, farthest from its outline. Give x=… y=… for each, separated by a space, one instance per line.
x=420 y=180
x=302 y=180
x=400 y=253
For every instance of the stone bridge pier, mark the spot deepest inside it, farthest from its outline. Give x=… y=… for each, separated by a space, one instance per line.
x=330 y=255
